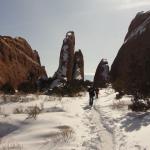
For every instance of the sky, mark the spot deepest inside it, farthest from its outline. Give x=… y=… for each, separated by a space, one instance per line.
x=99 y=25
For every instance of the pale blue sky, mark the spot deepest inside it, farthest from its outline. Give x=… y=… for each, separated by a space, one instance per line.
x=100 y=26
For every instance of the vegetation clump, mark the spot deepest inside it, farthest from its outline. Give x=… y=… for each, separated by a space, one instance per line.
x=7 y=89
x=27 y=87
x=72 y=88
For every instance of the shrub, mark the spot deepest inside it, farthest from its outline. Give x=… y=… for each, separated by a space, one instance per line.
x=7 y=89
x=74 y=87
x=18 y=110
x=139 y=103
x=27 y=87
x=44 y=84
x=34 y=111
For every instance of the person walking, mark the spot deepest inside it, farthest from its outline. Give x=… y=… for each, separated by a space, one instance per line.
x=91 y=95
x=96 y=92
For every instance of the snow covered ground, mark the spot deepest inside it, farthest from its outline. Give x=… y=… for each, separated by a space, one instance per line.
x=70 y=124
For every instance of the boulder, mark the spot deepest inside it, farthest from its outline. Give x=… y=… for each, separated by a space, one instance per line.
x=130 y=70
x=78 y=69
x=102 y=74
x=18 y=62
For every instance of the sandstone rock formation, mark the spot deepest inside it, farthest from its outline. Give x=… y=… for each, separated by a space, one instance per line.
x=102 y=74
x=130 y=70
x=66 y=57
x=78 y=69
x=71 y=64
x=18 y=62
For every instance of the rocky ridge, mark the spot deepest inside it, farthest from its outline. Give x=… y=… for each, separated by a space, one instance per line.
x=18 y=62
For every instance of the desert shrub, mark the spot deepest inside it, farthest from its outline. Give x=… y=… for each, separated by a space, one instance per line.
x=66 y=134
x=57 y=91
x=7 y=89
x=74 y=87
x=18 y=110
x=34 y=111
x=139 y=103
x=27 y=87
x=44 y=84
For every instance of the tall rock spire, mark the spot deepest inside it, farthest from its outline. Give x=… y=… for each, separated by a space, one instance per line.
x=78 y=69
x=66 y=57
x=71 y=64
x=102 y=74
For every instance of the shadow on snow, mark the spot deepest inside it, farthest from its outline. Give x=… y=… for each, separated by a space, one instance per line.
x=135 y=120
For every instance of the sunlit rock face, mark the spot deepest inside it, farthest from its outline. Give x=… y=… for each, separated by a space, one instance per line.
x=102 y=74
x=18 y=61
x=130 y=70
x=78 y=69
x=66 y=57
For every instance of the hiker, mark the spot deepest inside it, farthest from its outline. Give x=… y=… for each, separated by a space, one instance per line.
x=96 y=92
x=91 y=95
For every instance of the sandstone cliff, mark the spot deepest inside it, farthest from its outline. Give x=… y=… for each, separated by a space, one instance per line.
x=130 y=70
x=18 y=62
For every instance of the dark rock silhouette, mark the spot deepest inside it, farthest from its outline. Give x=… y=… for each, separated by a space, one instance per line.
x=130 y=70
x=78 y=69
x=102 y=74
x=18 y=62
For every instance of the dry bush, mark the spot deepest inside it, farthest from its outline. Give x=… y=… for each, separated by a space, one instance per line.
x=18 y=110
x=7 y=88
x=10 y=98
x=34 y=111
x=14 y=98
x=65 y=134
